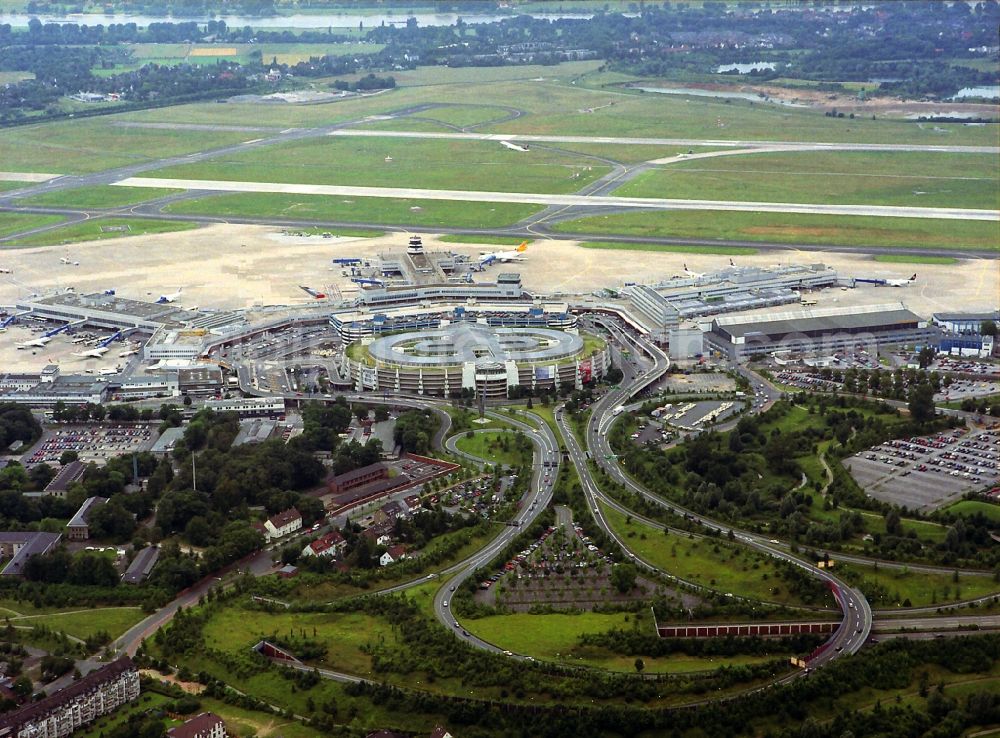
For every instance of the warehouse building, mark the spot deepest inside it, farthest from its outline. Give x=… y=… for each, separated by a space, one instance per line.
x=823 y=331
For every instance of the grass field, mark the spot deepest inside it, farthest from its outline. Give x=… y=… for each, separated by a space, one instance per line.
x=558 y=108
x=714 y=564
x=912 y=259
x=919 y=587
x=972 y=507
x=101 y=196
x=832 y=230
x=95 y=229
x=84 y=146
x=16 y=222
x=84 y=623
x=844 y=178
x=678 y=249
x=9 y=78
x=464 y=115
x=555 y=637
x=286 y=53
x=359 y=210
x=234 y=630
x=489 y=446
x=467 y=165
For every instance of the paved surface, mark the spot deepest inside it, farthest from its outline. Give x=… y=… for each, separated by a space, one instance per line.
x=856 y=612
x=645 y=203
x=629 y=140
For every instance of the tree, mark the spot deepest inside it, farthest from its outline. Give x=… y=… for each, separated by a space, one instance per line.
x=639 y=665
x=623 y=577
x=68 y=457
x=926 y=356
x=988 y=328
x=921 y=403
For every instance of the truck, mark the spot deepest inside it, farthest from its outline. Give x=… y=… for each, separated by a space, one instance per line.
x=618 y=410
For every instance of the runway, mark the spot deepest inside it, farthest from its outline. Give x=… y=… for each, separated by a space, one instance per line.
x=643 y=203
x=631 y=141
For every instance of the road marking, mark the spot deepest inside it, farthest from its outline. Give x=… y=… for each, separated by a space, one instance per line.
x=647 y=203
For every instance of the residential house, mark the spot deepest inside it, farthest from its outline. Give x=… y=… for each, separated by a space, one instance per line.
x=205 y=725
x=21 y=546
x=329 y=545
x=282 y=524
x=392 y=555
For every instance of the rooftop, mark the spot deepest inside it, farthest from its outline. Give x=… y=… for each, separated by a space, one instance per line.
x=72 y=472
x=823 y=320
x=197 y=725
x=83 y=514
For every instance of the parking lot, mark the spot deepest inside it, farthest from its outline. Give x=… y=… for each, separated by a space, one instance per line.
x=697 y=415
x=924 y=473
x=97 y=444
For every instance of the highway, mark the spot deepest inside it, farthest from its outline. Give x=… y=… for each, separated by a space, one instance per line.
x=535 y=500
x=856 y=612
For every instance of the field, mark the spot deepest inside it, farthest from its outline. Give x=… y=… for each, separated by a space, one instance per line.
x=85 y=623
x=16 y=222
x=839 y=230
x=907 y=588
x=491 y=446
x=454 y=213
x=97 y=229
x=555 y=637
x=914 y=179
x=288 y=53
x=913 y=259
x=101 y=196
x=389 y=162
x=973 y=507
x=713 y=564
x=84 y=146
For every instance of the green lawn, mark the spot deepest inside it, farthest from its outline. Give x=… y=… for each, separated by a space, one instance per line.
x=971 y=507
x=913 y=259
x=432 y=164
x=96 y=144
x=463 y=115
x=82 y=624
x=845 y=178
x=559 y=108
x=710 y=563
x=16 y=222
x=491 y=446
x=96 y=229
x=426 y=213
x=674 y=249
x=101 y=196
x=555 y=637
x=920 y=588
x=234 y=630
x=834 y=230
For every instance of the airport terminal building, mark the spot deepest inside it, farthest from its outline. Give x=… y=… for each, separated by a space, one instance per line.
x=821 y=331
x=478 y=358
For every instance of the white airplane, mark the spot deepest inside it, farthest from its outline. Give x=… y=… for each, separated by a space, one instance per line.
x=4 y=270
x=64 y=260
x=901 y=282
x=163 y=299
x=95 y=353
x=130 y=352
x=513 y=146
x=504 y=256
x=688 y=272
x=34 y=343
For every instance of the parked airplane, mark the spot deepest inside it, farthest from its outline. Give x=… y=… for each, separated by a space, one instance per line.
x=173 y=297
x=94 y=353
x=688 y=272
x=314 y=293
x=64 y=260
x=34 y=343
x=504 y=256
x=901 y=282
